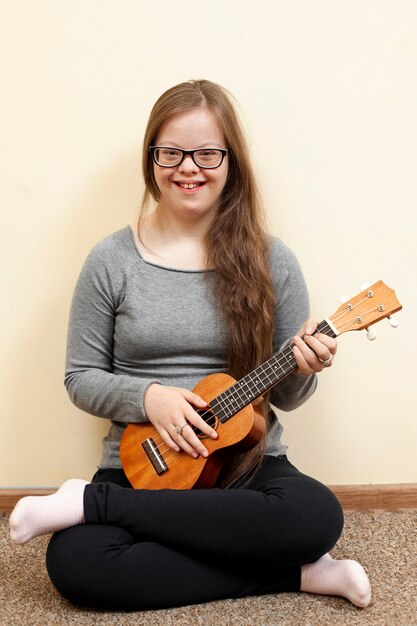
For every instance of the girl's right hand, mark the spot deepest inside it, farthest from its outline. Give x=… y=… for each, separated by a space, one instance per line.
x=170 y=407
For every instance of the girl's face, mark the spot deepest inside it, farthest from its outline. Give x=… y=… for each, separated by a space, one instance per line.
x=187 y=190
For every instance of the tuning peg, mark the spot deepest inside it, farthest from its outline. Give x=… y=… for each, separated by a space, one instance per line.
x=365 y=286
x=392 y=322
x=370 y=334
x=343 y=299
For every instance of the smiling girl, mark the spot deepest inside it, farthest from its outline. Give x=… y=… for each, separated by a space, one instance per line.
x=196 y=286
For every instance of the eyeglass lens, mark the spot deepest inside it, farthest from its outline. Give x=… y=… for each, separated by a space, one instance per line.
x=169 y=157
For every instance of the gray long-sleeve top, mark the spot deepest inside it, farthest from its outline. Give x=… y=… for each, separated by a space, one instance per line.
x=133 y=323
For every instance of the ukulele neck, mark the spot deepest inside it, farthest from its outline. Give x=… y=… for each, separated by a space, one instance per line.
x=261 y=379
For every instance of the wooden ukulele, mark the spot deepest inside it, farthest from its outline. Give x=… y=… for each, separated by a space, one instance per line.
x=150 y=464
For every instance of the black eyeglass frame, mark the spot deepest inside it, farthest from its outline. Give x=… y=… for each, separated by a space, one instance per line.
x=224 y=152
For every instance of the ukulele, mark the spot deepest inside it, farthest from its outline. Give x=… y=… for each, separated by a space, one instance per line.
x=150 y=464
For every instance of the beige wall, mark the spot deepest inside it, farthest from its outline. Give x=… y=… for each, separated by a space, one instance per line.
x=329 y=94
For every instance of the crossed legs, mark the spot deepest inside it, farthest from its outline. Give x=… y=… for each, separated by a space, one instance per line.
x=154 y=549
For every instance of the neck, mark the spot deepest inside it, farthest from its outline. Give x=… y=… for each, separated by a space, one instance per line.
x=172 y=242
x=174 y=226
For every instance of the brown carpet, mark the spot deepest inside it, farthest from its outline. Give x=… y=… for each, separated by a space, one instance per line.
x=385 y=543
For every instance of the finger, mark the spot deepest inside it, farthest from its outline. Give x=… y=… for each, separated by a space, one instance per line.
x=187 y=439
x=258 y=401
x=176 y=432
x=324 y=347
x=204 y=421
x=307 y=358
x=182 y=441
x=303 y=366
x=192 y=398
x=192 y=442
x=320 y=349
x=166 y=437
x=196 y=422
x=330 y=342
x=308 y=328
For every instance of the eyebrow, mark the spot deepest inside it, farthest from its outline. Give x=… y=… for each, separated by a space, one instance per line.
x=207 y=144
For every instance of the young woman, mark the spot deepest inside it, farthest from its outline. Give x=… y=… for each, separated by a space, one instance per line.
x=195 y=287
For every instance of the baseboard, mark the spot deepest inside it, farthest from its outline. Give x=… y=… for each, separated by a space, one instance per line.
x=399 y=497
x=9 y=497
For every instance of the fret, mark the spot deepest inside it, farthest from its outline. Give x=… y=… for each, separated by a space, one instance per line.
x=286 y=358
x=264 y=371
x=253 y=385
x=222 y=412
x=225 y=405
x=249 y=395
x=325 y=328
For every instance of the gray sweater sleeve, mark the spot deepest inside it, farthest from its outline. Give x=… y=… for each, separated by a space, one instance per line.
x=89 y=378
x=291 y=311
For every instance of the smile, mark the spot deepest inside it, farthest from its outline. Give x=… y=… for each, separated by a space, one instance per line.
x=189 y=185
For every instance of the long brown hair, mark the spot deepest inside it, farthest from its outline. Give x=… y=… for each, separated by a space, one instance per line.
x=236 y=245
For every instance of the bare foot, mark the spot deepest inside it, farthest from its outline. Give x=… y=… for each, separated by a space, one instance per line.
x=345 y=578
x=39 y=515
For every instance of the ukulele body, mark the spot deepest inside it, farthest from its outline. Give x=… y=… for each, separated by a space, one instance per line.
x=237 y=435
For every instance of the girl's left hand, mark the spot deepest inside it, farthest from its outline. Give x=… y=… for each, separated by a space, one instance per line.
x=313 y=354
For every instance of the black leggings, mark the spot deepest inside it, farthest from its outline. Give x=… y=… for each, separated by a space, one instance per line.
x=142 y=549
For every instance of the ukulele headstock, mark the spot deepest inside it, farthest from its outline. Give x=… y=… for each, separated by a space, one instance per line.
x=368 y=307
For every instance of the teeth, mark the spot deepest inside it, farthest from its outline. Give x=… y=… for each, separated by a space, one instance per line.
x=188 y=185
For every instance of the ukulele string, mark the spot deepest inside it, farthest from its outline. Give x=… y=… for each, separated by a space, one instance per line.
x=217 y=403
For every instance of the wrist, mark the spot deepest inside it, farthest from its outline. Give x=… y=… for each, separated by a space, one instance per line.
x=147 y=396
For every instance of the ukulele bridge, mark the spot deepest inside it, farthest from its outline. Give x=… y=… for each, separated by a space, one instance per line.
x=154 y=456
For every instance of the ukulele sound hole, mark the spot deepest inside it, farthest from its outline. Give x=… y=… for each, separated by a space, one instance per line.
x=209 y=417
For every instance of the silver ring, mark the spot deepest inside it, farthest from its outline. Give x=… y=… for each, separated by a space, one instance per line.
x=178 y=429
x=327 y=362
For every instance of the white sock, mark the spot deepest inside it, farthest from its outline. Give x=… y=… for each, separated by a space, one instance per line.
x=344 y=578
x=39 y=515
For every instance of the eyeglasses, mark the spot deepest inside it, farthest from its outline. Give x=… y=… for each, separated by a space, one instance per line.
x=207 y=158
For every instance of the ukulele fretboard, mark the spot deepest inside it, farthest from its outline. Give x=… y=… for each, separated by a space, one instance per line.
x=260 y=380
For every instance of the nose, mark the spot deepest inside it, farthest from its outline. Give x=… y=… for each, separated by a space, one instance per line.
x=188 y=165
